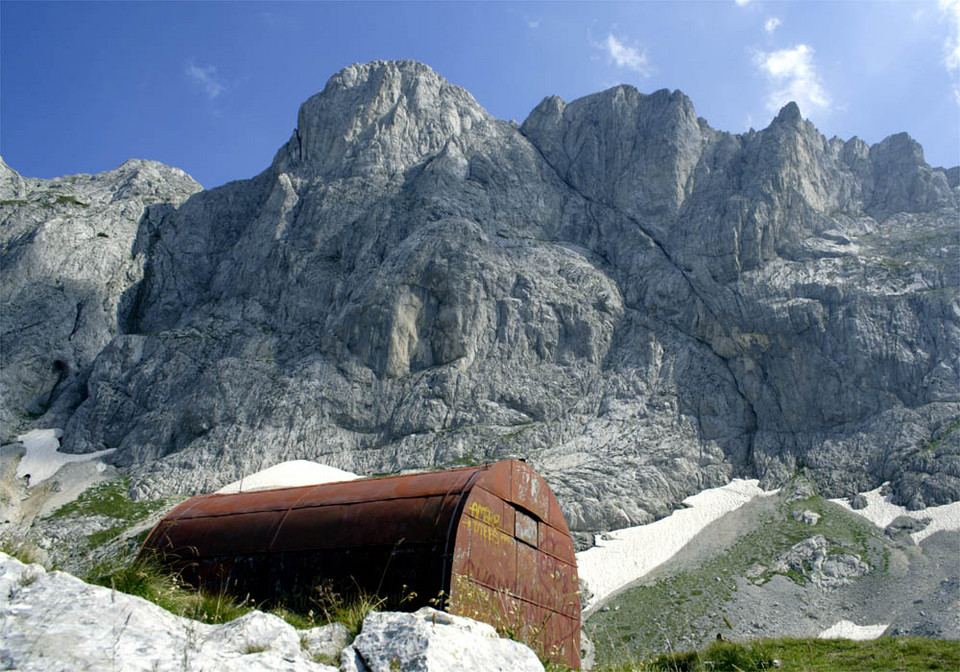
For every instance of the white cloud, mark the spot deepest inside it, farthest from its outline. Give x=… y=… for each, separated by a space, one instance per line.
x=207 y=78
x=625 y=56
x=793 y=77
x=533 y=25
x=741 y=3
x=951 y=9
x=771 y=24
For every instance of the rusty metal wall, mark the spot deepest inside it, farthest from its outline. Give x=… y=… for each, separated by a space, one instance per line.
x=490 y=541
x=514 y=563
x=386 y=536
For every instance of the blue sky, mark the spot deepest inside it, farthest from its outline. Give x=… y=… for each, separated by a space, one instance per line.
x=214 y=88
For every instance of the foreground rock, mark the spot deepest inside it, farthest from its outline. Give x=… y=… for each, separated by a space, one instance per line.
x=53 y=621
x=434 y=641
x=641 y=305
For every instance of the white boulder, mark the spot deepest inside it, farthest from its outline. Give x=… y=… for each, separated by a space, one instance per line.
x=433 y=641
x=51 y=621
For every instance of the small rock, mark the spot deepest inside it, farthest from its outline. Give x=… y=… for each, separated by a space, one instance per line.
x=807 y=517
x=800 y=488
x=255 y=632
x=901 y=527
x=858 y=502
x=326 y=641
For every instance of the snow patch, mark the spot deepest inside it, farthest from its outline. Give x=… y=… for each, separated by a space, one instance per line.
x=881 y=511
x=43 y=457
x=850 y=630
x=626 y=555
x=289 y=475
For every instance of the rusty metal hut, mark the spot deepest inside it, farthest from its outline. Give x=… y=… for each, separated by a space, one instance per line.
x=487 y=542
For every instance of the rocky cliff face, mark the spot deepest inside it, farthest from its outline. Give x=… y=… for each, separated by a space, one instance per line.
x=66 y=263
x=640 y=305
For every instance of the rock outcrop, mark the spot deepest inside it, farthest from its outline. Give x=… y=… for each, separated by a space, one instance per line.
x=639 y=304
x=65 y=255
x=811 y=560
x=54 y=621
x=429 y=640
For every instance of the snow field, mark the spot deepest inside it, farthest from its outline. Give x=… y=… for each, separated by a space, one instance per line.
x=881 y=511
x=626 y=555
x=43 y=457
x=288 y=475
x=850 y=630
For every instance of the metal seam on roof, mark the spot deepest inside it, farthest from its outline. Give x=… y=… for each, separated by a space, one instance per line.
x=312 y=506
x=276 y=530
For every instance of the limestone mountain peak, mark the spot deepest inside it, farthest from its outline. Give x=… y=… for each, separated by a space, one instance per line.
x=641 y=304
x=380 y=118
x=789 y=113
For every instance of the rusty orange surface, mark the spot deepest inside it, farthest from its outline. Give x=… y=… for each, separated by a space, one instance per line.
x=490 y=542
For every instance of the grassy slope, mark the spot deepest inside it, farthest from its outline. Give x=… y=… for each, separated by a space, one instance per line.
x=690 y=606
x=887 y=654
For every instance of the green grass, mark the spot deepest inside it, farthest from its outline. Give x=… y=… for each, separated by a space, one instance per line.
x=21 y=549
x=109 y=499
x=514 y=434
x=468 y=460
x=719 y=656
x=643 y=618
x=148 y=580
x=936 y=443
x=886 y=654
x=68 y=199
x=333 y=607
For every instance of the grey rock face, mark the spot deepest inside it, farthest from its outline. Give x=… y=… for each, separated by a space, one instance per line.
x=66 y=260
x=641 y=305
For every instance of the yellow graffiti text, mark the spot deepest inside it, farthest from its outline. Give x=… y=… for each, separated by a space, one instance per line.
x=486 y=532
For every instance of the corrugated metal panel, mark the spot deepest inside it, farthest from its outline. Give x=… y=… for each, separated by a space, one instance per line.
x=492 y=539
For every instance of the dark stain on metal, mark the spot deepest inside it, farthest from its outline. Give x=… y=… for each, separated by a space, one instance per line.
x=486 y=542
